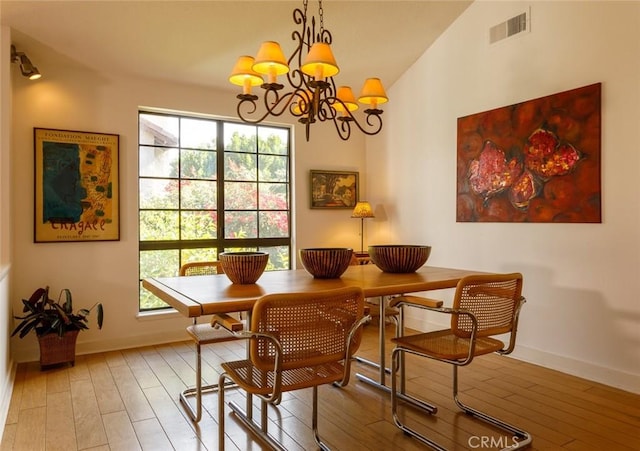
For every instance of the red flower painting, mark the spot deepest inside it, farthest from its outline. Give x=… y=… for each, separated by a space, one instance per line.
x=536 y=161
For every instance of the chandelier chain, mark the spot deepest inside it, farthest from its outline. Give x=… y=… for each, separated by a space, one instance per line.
x=321 y=14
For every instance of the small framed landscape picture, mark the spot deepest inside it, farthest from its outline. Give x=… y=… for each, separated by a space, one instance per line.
x=334 y=189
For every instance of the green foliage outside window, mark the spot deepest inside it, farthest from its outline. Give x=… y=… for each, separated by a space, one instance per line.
x=184 y=200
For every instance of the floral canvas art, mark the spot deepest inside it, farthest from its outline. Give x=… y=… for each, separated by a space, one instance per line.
x=535 y=161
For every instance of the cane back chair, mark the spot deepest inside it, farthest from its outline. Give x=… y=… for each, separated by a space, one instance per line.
x=484 y=306
x=297 y=340
x=203 y=334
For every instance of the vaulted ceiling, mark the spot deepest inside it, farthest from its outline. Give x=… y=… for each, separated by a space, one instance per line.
x=197 y=42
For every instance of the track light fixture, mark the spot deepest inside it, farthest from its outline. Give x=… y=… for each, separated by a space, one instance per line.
x=26 y=66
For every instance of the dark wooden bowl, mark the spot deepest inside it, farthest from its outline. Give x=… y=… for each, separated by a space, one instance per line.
x=243 y=268
x=399 y=258
x=326 y=262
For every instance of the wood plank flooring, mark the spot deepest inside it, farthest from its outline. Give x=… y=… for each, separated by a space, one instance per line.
x=128 y=400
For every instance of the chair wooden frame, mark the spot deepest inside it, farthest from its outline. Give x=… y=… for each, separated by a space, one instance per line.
x=203 y=334
x=483 y=306
x=296 y=341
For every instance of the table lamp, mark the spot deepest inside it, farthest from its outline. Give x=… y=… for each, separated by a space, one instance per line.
x=362 y=210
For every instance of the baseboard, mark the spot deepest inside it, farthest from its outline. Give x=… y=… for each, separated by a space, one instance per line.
x=613 y=378
x=6 y=393
x=29 y=351
x=607 y=376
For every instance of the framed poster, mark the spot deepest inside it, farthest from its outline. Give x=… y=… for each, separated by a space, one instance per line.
x=535 y=161
x=76 y=186
x=334 y=189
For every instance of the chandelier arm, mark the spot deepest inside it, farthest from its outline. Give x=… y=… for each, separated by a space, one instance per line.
x=276 y=107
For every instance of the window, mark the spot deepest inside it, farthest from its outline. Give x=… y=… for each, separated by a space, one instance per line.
x=208 y=186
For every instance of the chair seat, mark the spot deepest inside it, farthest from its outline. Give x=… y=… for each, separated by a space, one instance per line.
x=206 y=334
x=444 y=344
x=251 y=378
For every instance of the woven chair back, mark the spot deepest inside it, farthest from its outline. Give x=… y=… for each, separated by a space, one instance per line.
x=201 y=268
x=312 y=327
x=493 y=299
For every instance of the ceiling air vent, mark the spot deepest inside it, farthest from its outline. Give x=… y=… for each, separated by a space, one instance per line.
x=508 y=28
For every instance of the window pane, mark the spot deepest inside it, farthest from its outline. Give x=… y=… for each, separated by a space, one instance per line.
x=239 y=137
x=278 y=257
x=240 y=196
x=240 y=166
x=198 y=195
x=273 y=196
x=198 y=133
x=206 y=254
x=241 y=224
x=198 y=225
x=198 y=164
x=273 y=140
x=274 y=224
x=156 y=264
x=153 y=263
x=273 y=168
x=158 y=130
x=158 y=162
x=158 y=193
x=159 y=225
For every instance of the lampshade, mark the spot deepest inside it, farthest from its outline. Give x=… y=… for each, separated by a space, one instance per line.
x=346 y=95
x=373 y=92
x=243 y=74
x=362 y=210
x=270 y=61
x=320 y=62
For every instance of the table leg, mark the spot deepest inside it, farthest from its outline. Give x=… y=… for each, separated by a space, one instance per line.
x=383 y=370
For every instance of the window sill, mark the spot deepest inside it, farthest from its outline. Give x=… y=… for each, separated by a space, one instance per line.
x=158 y=315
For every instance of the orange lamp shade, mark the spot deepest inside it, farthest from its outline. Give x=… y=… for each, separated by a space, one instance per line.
x=320 y=62
x=362 y=210
x=270 y=61
x=243 y=75
x=373 y=93
x=346 y=95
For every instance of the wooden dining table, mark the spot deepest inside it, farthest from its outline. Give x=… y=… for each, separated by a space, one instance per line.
x=196 y=296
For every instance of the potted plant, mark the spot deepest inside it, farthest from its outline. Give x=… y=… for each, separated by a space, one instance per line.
x=55 y=323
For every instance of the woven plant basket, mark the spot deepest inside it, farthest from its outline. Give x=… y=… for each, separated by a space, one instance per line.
x=55 y=349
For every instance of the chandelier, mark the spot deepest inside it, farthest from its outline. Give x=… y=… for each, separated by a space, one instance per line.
x=311 y=95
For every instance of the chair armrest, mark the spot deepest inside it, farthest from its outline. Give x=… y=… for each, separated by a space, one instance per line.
x=226 y=321
x=417 y=301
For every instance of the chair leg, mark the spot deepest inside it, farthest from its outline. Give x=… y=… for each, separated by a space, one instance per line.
x=314 y=421
x=523 y=436
x=221 y=384
x=196 y=413
x=396 y=356
x=258 y=430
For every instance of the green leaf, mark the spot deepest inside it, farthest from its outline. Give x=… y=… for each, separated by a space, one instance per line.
x=100 y=313
x=68 y=304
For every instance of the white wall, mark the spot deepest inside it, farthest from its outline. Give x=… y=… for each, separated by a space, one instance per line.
x=6 y=363
x=583 y=310
x=71 y=96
